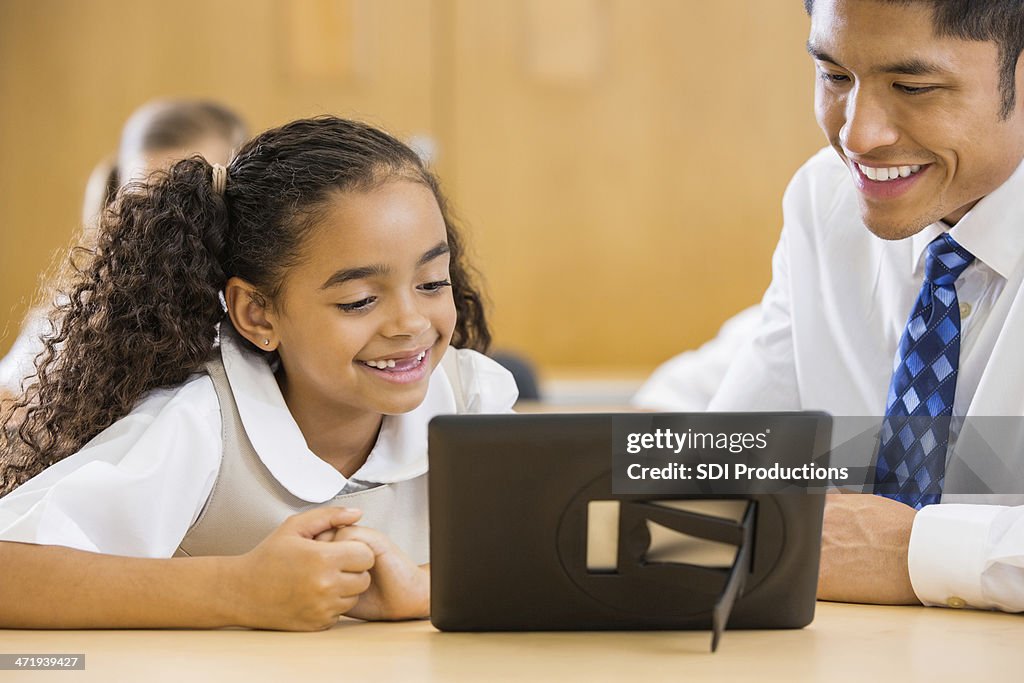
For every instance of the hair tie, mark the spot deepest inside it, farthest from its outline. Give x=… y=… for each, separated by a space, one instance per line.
x=220 y=179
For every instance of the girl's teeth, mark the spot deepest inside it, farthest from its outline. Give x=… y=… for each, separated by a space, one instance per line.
x=390 y=362
x=888 y=173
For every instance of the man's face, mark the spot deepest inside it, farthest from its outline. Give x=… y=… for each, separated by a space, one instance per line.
x=915 y=117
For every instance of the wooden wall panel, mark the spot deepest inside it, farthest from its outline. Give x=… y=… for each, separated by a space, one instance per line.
x=325 y=40
x=620 y=164
x=72 y=71
x=565 y=41
x=622 y=218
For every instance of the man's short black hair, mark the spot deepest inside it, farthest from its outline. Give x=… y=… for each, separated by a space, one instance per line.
x=998 y=21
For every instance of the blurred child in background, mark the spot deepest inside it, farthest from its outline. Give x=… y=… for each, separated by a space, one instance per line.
x=154 y=136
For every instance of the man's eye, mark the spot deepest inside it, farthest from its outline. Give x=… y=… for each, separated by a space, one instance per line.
x=913 y=89
x=832 y=78
x=358 y=305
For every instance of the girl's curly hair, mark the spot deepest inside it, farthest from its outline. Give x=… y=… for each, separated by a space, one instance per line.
x=142 y=306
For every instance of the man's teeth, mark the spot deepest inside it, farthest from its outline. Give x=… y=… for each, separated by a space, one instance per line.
x=889 y=173
x=390 y=362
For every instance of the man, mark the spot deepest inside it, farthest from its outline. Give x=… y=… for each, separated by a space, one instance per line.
x=909 y=230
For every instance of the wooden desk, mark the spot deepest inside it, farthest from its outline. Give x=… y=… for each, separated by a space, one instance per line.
x=845 y=643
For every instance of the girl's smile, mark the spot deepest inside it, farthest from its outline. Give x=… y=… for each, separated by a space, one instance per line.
x=401 y=368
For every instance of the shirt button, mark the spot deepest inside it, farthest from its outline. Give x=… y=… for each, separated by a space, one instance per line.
x=965 y=310
x=956 y=603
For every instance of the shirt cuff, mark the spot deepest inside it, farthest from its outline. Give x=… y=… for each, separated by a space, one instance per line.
x=947 y=554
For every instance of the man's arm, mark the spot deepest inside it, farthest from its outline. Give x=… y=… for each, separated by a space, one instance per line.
x=876 y=550
x=969 y=556
x=762 y=376
x=864 y=547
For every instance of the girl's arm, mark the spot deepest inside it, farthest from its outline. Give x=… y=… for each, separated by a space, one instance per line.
x=288 y=582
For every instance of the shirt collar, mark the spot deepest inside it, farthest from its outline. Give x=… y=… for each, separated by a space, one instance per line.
x=399 y=454
x=993 y=230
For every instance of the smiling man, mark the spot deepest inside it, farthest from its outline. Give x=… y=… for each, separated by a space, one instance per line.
x=897 y=288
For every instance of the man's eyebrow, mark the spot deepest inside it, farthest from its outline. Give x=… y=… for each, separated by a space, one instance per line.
x=438 y=250
x=349 y=274
x=819 y=54
x=912 y=67
x=907 y=67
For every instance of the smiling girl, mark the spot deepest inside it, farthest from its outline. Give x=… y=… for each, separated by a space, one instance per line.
x=244 y=370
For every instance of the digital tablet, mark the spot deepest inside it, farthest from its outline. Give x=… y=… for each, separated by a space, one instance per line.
x=527 y=534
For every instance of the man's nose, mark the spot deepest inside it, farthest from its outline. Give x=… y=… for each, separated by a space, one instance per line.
x=869 y=124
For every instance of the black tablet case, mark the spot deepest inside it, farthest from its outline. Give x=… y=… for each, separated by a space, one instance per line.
x=508 y=505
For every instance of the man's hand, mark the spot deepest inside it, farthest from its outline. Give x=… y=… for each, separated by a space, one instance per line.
x=864 y=543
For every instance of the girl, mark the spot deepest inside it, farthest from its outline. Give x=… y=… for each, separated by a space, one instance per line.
x=324 y=260
x=154 y=137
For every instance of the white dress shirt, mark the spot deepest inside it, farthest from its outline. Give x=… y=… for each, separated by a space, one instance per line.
x=833 y=316
x=137 y=487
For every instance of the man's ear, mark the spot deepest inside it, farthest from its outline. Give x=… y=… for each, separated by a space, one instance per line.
x=250 y=314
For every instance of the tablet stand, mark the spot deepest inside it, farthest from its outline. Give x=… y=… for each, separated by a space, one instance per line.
x=634 y=541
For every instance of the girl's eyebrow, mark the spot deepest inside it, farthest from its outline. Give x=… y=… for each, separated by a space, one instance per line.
x=379 y=269
x=431 y=254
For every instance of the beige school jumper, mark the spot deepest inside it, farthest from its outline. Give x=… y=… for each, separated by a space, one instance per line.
x=247 y=502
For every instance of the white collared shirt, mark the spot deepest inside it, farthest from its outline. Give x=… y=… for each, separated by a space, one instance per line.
x=137 y=487
x=833 y=316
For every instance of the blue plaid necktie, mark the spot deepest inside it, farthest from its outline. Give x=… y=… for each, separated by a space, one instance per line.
x=911 y=461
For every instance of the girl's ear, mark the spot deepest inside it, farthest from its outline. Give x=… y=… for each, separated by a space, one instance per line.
x=250 y=314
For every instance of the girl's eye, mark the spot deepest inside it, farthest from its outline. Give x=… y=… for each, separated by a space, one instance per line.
x=435 y=286
x=358 y=305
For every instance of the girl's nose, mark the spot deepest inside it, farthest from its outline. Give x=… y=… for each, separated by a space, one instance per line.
x=406 y=320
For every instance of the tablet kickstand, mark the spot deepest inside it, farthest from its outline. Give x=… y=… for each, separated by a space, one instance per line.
x=634 y=519
x=737 y=578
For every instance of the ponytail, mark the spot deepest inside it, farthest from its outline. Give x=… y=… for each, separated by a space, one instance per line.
x=139 y=312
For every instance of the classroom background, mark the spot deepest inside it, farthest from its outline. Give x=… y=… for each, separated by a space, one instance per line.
x=619 y=164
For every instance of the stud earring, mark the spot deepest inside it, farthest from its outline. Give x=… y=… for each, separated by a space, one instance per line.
x=266 y=342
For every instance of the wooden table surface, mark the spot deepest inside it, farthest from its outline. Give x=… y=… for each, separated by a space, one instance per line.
x=844 y=643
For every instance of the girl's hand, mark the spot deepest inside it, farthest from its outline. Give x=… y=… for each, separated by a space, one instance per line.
x=292 y=582
x=398 y=589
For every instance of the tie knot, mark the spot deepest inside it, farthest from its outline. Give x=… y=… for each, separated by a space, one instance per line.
x=946 y=260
